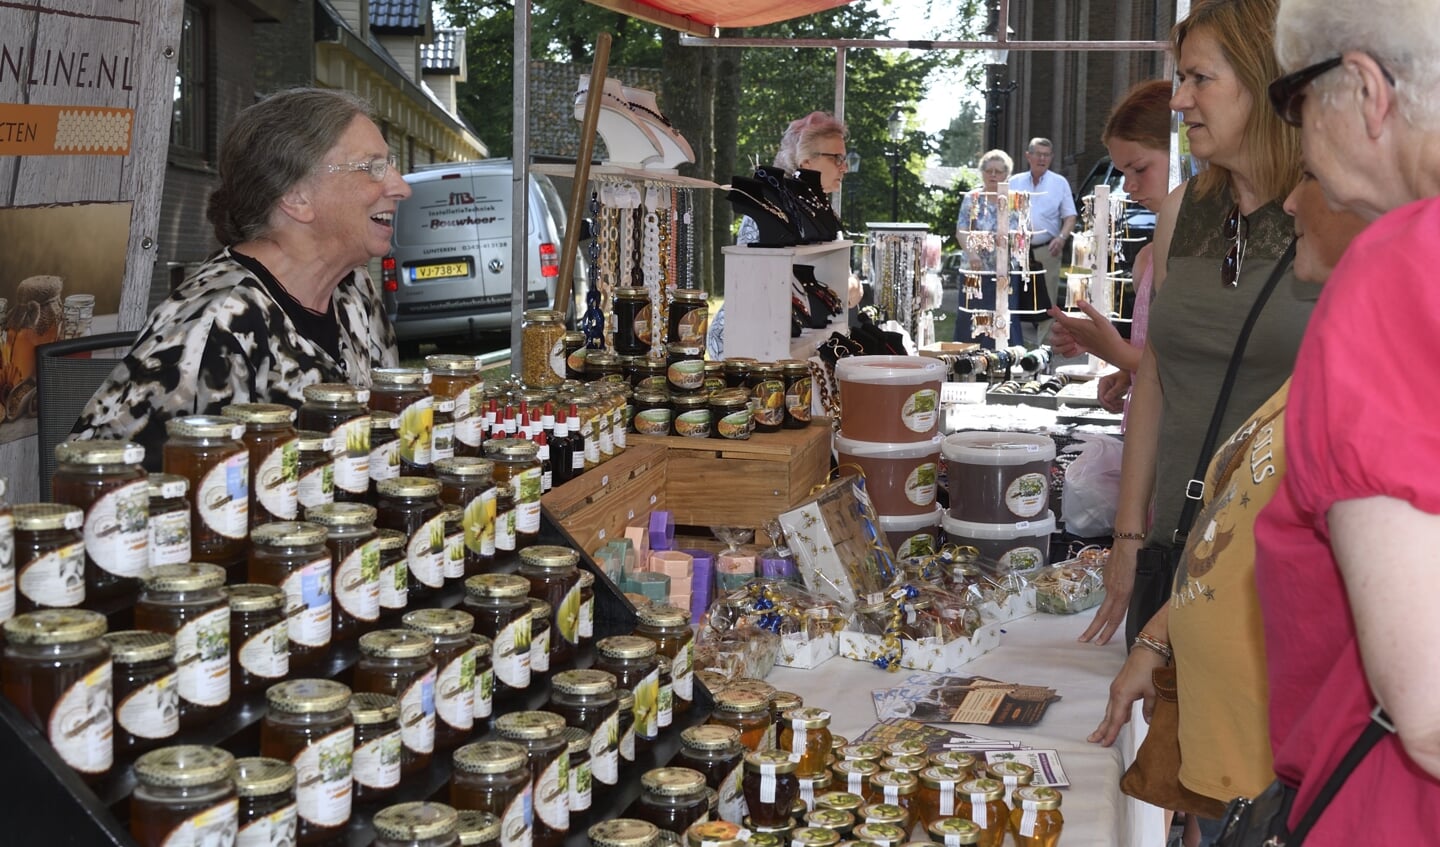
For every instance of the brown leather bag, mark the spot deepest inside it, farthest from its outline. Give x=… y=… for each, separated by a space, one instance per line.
x=1154 y=776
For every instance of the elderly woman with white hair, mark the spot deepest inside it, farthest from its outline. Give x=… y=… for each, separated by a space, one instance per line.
x=1346 y=551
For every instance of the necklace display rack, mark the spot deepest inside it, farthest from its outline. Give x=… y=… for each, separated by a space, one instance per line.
x=1010 y=237
x=1099 y=245
x=897 y=253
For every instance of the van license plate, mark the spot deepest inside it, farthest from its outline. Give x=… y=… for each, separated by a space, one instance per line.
x=445 y=271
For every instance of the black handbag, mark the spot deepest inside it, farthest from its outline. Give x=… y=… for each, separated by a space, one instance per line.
x=1155 y=565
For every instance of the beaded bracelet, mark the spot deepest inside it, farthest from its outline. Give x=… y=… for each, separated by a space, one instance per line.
x=1154 y=645
x=1128 y=536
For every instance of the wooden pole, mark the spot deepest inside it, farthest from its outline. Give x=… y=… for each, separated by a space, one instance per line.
x=580 y=188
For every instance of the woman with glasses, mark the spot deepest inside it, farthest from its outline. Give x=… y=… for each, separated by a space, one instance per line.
x=975 y=231
x=1346 y=551
x=306 y=198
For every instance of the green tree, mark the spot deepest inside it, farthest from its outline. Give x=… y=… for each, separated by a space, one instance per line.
x=961 y=142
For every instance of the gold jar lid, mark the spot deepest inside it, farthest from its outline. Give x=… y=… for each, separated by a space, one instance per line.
x=471 y=469
x=396 y=644
x=765 y=369
x=258 y=776
x=739 y=363
x=842 y=800
x=408 y=486
x=794 y=367
x=578 y=741
x=631 y=292
x=956 y=831
x=370 y=707
x=864 y=767
x=98 y=451
x=191 y=576
x=783 y=701
x=883 y=813
x=476 y=827
x=341 y=515
x=770 y=761
x=416 y=821
x=743 y=699
x=549 y=556
x=902 y=783
x=254 y=597
x=941 y=776
x=335 y=393
x=954 y=758
x=451 y=363
x=133 y=646
x=490 y=757
x=672 y=782
x=624 y=832
x=482 y=645
x=690 y=295
x=813 y=836
x=710 y=737
x=539 y=609
x=690 y=401
x=497 y=586
x=587 y=579
x=204 y=426
x=259 y=413
x=452 y=515
x=837 y=741
x=714 y=834
x=817 y=784
x=908 y=747
x=43 y=517
x=439 y=621
x=652 y=396
x=389 y=539
x=904 y=764
x=308 y=440
x=880 y=833
x=583 y=682
x=862 y=750
x=529 y=726
x=661 y=615
x=399 y=377
x=54 y=626
x=807 y=718
x=1038 y=797
x=767 y=836
x=546 y=316
x=730 y=397
x=983 y=790
x=380 y=419
x=714 y=681
x=1017 y=773
x=307 y=696
x=830 y=817
x=184 y=766
x=626 y=647
x=168 y=486
x=512 y=449
x=289 y=534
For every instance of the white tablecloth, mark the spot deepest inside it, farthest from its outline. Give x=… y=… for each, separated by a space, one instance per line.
x=1040 y=650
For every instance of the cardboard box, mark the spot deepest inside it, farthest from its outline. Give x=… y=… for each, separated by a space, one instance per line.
x=930 y=654
x=797 y=651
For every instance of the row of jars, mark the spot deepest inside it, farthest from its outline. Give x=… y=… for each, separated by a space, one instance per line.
x=550 y=354
x=687 y=396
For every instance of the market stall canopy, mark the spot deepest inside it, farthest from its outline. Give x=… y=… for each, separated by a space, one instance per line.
x=703 y=17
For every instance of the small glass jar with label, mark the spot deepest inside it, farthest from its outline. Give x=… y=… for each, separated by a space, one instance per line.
x=553 y=578
x=259 y=636
x=468 y=483
x=957 y=759
x=274 y=459
x=893 y=788
x=494 y=777
x=854 y=775
x=293 y=556
x=502 y=614
x=339 y=411
x=806 y=733
x=937 y=795
x=518 y=486
x=542 y=348
x=689 y=316
x=394 y=573
x=672 y=798
x=208 y=451
x=399 y=662
x=1036 y=820
x=355 y=562
x=105 y=479
x=1014 y=775
x=771 y=787
x=669 y=628
x=308 y=724
x=56 y=671
x=457 y=378
x=581 y=774
x=685 y=367
x=796 y=375
x=653 y=412
x=767 y=390
x=411 y=504
x=905 y=764
x=730 y=414
x=183 y=793
x=146 y=700
x=477 y=828
x=955 y=832
x=813 y=836
x=416 y=824
x=484 y=677
x=715 y=751
x=884 y=834
x=377 y=745
x=315 y=469
x=748 y=710
x=780 y=703
x=49 y=556
x=624 y=832
x=406 y=392
x=907 y=747
x=845 y=801
x=587 y=606
x=384 y=450
x=187 y=601
x=452 y=559
x=631 y=658
x=836 y=820
x=982 y=801
x=542 y=735
x=169 y=521
x=692 y=417
x=454 y=658
x=586 y=699
x=632 y=331
x=540 y=635
x=268 y=815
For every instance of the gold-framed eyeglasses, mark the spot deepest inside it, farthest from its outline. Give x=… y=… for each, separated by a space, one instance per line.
x=378 y=167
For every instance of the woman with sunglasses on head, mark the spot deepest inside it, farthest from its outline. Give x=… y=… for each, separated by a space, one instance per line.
x=1346 y=551
x=979 y=216
x=306 y=199
x=1218 y=239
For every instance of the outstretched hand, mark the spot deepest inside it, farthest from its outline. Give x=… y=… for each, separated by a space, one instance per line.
x=1119 y=585
x=1134 y=682
x=1072 y=335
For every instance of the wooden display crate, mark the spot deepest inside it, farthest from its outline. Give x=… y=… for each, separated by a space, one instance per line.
x=596 y=506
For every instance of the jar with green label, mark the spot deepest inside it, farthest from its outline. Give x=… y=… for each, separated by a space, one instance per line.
x=587 y=699
x=730 y=415
x=268 y=813
x=56 y=671
x=692 y=416
x=411 y=504
x=468 y=483
x=316 y=469
x=399 y=662
x=653 y=412
x=355 y=560
x=378 y=745
x=259 y=636
x=685 y=367
x=502 y=614
x=542 y=735
x=518 y=487
x=384 y=449
x=553 y=577
x=274 y=459
x=339 y=411
x=406 y=392
x=187 y=601
x=308 y=724
x=454 y=657
x=631 y=659
x=394 y=573
x=669 y=628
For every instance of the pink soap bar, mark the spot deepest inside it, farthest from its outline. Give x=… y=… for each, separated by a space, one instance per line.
x=639 y=539
x=672 y=562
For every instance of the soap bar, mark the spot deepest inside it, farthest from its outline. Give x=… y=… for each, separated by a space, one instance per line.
x=662 y=531
x=639 y=539
x=672 y=562
x=654 y=586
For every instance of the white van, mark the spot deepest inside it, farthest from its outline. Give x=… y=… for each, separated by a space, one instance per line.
x=449 y=271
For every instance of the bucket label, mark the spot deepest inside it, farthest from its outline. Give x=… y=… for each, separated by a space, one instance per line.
x=919 y=413
x=1027 y=495
x=920 y=484
x=1023 y=559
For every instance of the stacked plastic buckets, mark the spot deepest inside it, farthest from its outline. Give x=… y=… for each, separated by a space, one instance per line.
x=1000 y=496
x=890 y=430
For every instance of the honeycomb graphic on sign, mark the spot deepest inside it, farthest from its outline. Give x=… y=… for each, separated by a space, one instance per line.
x=96 y=130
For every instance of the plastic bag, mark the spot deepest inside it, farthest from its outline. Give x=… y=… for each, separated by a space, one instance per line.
x=1092 y=487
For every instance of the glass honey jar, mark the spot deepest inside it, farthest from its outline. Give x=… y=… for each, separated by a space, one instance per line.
x=457 y=378
x=715 y=833
x=854 y=776
x=982 y=801
x=454 y=658
x=672 y=798
x=484 y=677
x=796 y=375
x=955 y=832
x=581 y=774
x=477 y=828
x=1013 y=774
x=453 y=557
x=689 y=316
x=259 y=636
x=669 y=628
x=782 y=702
x=886 y=813
x=292 y=555
x=184 y=795
x=411 y=505
x=936 y=797
x=896 y=788
x=715 y=751
x=746 y=709
x=770 y=787
x=146 y=701
x=542 y=735
x=308 y=724
x=624 y=832
x=806 y=733
x=187 y=602
x=540 y=652
x=905 y=764
x=315 y=468
x=1036 y=820
x=813 y=836
x=518 y=487
x=631 y=659
x=169 y=521
x=844 y=801
x=416 y=824
x=542 y=346
x=355 y=562
x=57 y=672
x=494 y=777
x=838 y=821
x=49 y=556
x=274 y=459
x=106 y=481
x=378 y=745
x=587 y=606
x=907 y=747
x=625 y=717
x=208 y=451
x=406 y=392
x=399 y=662
x=862 y=750
x=339 y=411
x=268 y=815
x=394 y=573
x=812 y=787
x=468 y=483
x=553 y=578
x=384 y=459
x=498 y=602
x=586 y=699
x=883 y=834
x=957 y=759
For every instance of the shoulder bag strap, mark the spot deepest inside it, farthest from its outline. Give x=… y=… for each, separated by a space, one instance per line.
x=1195 y=488
x=1378 y=727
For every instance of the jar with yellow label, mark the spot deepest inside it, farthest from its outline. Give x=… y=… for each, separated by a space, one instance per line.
x=339 y=411
x=416 y=824
x=355 y=560
x=394 y=573
x=542 y=348
x=937 y=794
x=274 y=459
x=182 y=794
x=624 y=832
x=293 y=556
x=894 y=788
x=454 y=658
x=498 y=602
x=854 y=776
x=982 y=801
x=806 y=733
x=49 y=556
x=268 y=815
x=169 y=522
x=106 y=480
x=631 y=659
x=398 y=662
x=187 y=602
x=494 y=777
x=586 y=699
x=145 y=698
x=468 y=483
x=672 y=798
x=457 y=378
x=56 y=671
x=518 y=486
x=542 y=735
x=411 y=505
x=955 y=832
x=207 y=450
x=1036 y=819
x=308 y=724
x=796 y=376
x=553 y=577
x=316 y=469
x=406 y=392
x=748 y=710
x=259 y=636
x=378 y=745
x=477 y=828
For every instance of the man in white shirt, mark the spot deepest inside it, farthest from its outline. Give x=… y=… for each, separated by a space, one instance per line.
x=1052 y=217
